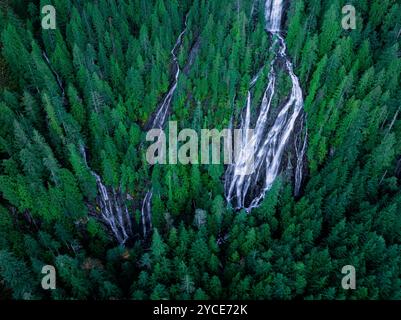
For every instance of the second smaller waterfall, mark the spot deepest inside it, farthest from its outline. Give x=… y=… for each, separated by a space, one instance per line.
x=158 y=123
x=111 y=207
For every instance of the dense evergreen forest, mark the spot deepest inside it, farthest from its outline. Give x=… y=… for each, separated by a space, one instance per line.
x=75 y=106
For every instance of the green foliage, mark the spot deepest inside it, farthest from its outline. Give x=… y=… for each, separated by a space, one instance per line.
x=78 y=100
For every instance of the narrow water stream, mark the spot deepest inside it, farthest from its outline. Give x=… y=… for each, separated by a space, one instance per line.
x=158 y=123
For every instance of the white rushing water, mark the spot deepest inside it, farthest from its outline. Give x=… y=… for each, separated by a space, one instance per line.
x=112 y=209
x=268 y=144
x=158 y=123
x=162 y=111
x=111 y=204
x=273 y=14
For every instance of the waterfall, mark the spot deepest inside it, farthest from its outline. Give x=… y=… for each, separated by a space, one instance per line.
x=273 y=13
x=146 y=213
x=247 y=191
x=162 y=111
x=112 y=209
x=58 y=79
x=158 y=123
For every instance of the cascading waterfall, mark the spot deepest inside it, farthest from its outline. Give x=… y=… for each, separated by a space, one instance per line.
x=158 y=123
x=264 y=150
x=273 y=13
x=113 y=211
x=162 y=111
x=146 y=213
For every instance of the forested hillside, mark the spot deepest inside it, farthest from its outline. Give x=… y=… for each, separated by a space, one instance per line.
x=76 y=103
